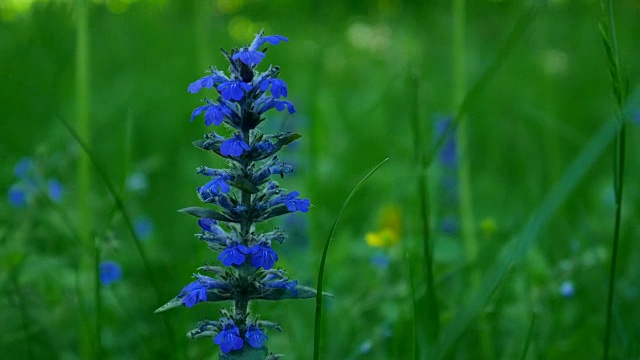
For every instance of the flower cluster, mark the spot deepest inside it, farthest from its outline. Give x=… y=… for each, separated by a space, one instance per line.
x=242 y=195
x=31 y=184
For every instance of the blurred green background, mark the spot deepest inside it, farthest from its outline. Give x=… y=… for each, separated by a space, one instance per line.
x=370 y=80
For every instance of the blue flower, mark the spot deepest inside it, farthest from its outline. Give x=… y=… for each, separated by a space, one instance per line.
x=234 y=254
x=207 y=224
x=448 y=154
x=278 y=87
x=17 y=196
x=109 y=272
x=255 y=337
x=233 y=90
x=267 y=103
x=635 y=118
x=143 y=227
x=207 y=82
x=271 y=39
x=567 y=289
x=193 y=293
x=55 y=190
x=263 y=256
x=284 y=284
x=213 y=114
x=234 y=146
x=23 y=167
x=292 y=203
x=249 y=57
x=229 y=338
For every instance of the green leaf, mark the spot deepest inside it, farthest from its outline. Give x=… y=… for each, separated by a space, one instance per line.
x=245 y=185
x=303 y=292
x=212 y=296
x=288 y=139
x=206 y=213
x=173 y=303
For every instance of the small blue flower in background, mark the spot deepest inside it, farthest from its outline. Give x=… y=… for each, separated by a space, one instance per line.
x=137 y=182
x=23 y=167
x=17 y=196
x=143 y=226
x=448 y=154
x=380 y=260
x=255 y=337
x=56 y=191
x=635 y=118
x=229 y=338
x=110 y=272
x=449 y=225
x=567 y=289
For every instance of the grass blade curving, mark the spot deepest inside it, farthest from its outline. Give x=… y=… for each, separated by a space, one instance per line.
x=316 y=334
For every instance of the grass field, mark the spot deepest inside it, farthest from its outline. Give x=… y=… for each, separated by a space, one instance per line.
x=488 y=234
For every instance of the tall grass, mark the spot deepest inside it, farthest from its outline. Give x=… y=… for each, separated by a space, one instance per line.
x=619 y=89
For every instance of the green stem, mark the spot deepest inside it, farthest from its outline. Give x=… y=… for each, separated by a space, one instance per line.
x=467 y=219
x=618 y=167
x=87 y=341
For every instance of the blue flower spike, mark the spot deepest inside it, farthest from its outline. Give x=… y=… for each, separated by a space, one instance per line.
x=239 y=197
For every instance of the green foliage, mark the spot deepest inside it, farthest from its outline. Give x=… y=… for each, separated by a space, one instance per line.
x=540 y=125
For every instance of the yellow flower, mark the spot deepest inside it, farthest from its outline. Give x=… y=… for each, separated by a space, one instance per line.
x=390 y=230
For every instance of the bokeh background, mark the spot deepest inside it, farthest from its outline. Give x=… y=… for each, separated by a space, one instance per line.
x=520 y=196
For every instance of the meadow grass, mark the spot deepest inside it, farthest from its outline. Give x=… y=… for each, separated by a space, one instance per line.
x=532 y=269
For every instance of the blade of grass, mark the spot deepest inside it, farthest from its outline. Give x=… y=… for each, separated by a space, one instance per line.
x=88 y=338
x=608 y=31
x=516 y=250
x=527 y=342
x=318 y=316
x=428 y=323
x=128 y=222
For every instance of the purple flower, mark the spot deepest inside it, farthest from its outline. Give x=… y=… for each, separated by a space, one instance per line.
x=229 y=338
x=109 y=272
x=278 y=87
x=263 y=256
x=234 y=254
x=207 y=82
x=213 y=114
x=233 y=90
x=266 y=103
x=234 y=146
x=255 y=337
x=284 y=284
